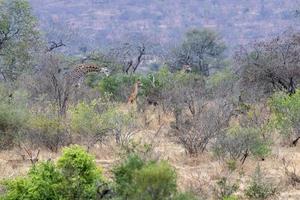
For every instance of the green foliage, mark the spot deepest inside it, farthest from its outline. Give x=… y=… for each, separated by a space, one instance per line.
x=80 y=173
x=74 y=177
x=13 y=115
x=44 y=181
x=220 y=77
x=19 y=37
x=99 y=117
x=48 y=129
x=154 y=181
x=118 y=85
x=124 y=174
x=85 y=118
x=200 y=49
x=231 y=165
x=138 y=179
x=224 y=189
x=259 y=189
x=286 y=112
x=184 y=196
x=232 y=197
x=242 y=140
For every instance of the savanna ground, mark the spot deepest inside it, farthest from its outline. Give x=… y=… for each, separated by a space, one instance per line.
x=194 y=123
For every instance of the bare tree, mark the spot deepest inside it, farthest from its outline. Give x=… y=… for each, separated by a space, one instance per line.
x=269 y=66
x=55 y=45
x=197 y=122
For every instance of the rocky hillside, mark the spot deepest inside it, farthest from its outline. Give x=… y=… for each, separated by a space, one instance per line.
x=98 y=22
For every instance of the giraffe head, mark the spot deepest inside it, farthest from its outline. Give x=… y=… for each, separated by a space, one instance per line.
x=139 y=83
x=186 y=68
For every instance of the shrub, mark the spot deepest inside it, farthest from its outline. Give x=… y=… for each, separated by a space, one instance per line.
x=240 y=142
x=138 y=179
x=154 y=181
x=13 y=116
x=124 y=174
x=74 y=177
x=97 y=118
x=259 y=189
x=86 y=119
x=48 y=130
x=224 y=189
x=44 y=181
x=286 y=114
x=118 y=85
x=80 y=173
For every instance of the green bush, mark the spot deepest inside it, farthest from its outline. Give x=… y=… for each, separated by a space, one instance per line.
x=80 y=173
x=44 y=181
x=97 y=118
x=138 y=179
x=259 y=188
x=240 y=141
x=124 y=174
x=286 y=114
x=118 y=86
x=13 y=116
x=48 y=130
x=74 y=177
x=154 y=181
x=86 y=119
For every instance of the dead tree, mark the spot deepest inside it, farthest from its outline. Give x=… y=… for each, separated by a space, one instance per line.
x=55 y=45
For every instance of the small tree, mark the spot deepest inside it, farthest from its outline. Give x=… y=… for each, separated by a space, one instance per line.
x=249 y=136
x=269 y=66
x=19 y=38
x=98 y=118
x=80 y=173
x=13 y=116
x=286 y=115
x=47 y=129
x=201 y=49
x=239 y=143
x=259 y=188
x=225 y=189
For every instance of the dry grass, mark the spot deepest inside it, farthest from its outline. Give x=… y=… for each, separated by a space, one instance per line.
x=198 y=174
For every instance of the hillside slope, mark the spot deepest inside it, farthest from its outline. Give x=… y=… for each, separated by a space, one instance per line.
x=99 y=22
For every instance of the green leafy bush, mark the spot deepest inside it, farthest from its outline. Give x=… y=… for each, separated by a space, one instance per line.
x=80 y=173
x=44 y=181
x=98 y=118
x=48 y=130
x=138 y=179
x=74 y=177
x=124 y=174
x=286 y=114
x=240 y=142
x=259 y=188
x=154 y=181
x=86 y=119
x=118 y=86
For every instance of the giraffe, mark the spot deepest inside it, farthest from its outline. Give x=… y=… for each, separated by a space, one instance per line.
x=82 y=70
x=72 y=78
x=186 y=69
x=133 y=96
